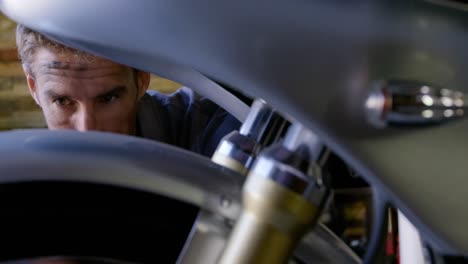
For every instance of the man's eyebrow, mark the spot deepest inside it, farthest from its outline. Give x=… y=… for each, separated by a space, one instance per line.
x=115 y=90
x=52 y=94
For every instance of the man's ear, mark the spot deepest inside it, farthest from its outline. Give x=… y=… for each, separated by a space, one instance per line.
x=143 y=82
x=31 y=85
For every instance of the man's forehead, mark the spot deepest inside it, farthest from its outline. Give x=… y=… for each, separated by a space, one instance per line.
x=65 y=65
x=46 y=60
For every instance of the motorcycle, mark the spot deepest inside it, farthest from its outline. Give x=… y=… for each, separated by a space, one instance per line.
x=377 y=85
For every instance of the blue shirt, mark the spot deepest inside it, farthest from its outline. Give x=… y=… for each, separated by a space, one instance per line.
x=184 y=119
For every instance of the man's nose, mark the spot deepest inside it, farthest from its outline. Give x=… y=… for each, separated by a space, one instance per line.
x=86 y=119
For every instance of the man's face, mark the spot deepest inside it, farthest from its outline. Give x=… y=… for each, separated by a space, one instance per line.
x=79 y=94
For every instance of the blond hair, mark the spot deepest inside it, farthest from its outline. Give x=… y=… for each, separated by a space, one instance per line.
x=28 y=41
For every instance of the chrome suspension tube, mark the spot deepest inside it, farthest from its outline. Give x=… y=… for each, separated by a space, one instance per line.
x=262 y=127
x=282 y=198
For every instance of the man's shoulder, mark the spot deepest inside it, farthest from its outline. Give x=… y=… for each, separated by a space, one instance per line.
x=185 y=119
x=183 y=98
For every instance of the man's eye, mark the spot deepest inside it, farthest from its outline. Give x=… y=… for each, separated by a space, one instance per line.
x=62 y=101
x=108 y=98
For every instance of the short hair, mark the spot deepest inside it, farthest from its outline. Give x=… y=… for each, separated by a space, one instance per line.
x=28 y=41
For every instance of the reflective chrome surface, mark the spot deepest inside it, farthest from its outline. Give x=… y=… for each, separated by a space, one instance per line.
x=283 y=174
x=281 y=200
x=413 y=103
x=262 y=127
x=236 y=151
x=254 y=124
x=294 y=162
x=264 y=124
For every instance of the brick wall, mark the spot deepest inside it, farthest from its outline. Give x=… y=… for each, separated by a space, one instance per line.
x=17 y=109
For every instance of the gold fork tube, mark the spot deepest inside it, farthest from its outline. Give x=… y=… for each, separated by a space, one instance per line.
x=273 y=220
